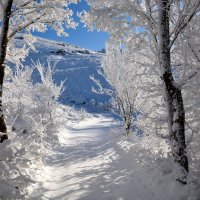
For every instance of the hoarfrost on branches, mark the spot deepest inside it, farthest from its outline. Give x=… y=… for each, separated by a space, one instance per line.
x=169 y=30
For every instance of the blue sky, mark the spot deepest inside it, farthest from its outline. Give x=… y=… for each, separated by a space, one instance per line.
x=81 y=36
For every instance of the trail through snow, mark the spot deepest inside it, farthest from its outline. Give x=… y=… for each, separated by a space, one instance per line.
x=89 y=165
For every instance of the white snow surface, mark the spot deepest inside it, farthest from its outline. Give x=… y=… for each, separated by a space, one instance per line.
x=73 y=64
x=95 y=163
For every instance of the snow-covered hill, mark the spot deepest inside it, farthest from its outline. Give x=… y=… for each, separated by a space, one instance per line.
x=74 y=65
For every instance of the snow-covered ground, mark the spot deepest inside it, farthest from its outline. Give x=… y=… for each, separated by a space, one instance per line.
x=73 y=64
x=93 y=163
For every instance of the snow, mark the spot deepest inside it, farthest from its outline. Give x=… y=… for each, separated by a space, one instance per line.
x=94 y=163
x=74 y=65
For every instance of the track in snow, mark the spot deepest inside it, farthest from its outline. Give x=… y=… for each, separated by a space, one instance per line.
x=90 y=166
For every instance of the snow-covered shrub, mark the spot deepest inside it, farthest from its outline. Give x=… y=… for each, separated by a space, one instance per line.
x=31 y=106
x=31 y=114
x=17 y=169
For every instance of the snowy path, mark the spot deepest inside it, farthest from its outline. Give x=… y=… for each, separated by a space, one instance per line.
x=90 y=166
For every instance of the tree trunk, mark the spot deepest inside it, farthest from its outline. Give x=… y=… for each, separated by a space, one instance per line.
x=127 y=124
x=127 y=128
x=173 y=95
x=3 y=48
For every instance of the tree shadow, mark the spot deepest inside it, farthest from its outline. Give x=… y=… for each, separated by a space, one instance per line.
x=94 y=167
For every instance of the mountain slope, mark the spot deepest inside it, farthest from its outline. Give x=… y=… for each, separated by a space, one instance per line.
x=74 y=65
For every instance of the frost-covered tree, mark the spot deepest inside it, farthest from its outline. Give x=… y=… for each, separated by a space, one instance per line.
x=29 y=110
x=122 y=73
x=28 y=16
x=161 y=23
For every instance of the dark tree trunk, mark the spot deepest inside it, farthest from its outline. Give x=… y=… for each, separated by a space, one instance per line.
x=127 y=124
x=3 y=48
x=173 y=95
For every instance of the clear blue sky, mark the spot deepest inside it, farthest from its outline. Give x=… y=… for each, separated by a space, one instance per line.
x=81 y=36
